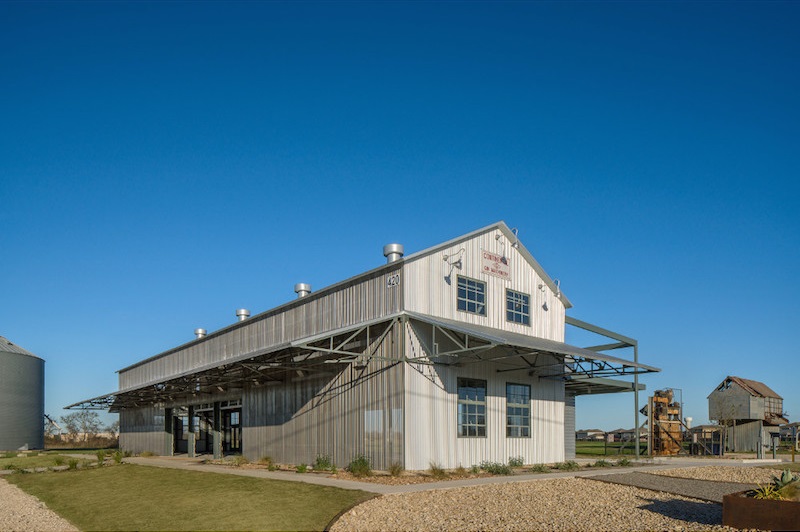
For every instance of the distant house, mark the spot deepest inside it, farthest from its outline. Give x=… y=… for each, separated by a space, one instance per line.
x=789 y=430
x=751 y=411
x=625 y=435
x=589 y=435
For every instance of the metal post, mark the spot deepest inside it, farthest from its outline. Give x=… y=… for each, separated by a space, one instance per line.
x=636 y=397
x=190 y=437
x=217 y=431
x=169 y=427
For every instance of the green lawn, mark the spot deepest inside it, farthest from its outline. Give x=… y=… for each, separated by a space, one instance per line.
x=598 y=448
x=130 y=497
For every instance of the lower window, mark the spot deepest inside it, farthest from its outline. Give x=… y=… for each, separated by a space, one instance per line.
x=518 y=410
x=472 y=408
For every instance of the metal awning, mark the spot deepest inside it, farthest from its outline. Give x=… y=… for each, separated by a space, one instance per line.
x=448 y=342
x=584 y=370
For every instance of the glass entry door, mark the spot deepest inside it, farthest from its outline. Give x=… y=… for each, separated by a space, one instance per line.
x=232 y=431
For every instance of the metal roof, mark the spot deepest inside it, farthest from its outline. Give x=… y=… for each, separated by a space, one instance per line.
x=583 y=371
x=8 y=347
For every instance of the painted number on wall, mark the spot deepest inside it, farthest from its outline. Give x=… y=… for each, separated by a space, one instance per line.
x=392 y=280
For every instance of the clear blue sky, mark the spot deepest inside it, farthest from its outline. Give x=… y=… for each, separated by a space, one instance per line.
x=163 y=164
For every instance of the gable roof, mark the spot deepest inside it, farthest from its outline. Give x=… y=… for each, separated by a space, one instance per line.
x=754 y=388
x=509 y=234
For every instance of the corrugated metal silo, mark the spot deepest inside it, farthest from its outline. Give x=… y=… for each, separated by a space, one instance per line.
x=21 y=398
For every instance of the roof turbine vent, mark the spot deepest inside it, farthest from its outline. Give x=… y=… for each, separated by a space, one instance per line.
x=302 y=289
x=242 y=314
x=199 y=333
x=393 y=252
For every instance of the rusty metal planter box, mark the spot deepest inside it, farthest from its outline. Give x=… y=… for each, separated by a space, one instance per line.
x=740 y=511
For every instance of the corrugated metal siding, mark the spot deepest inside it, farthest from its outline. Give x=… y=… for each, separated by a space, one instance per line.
x=142 y=429
x=318 y=313
x=426 y=290
x=431 y=416
x=569 y=427
x=357 y=411
x=21 y=401
x=745 y=438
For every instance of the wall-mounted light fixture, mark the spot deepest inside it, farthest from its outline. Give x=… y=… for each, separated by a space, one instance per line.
x=502 y=243
x=515 y=244
x=454 y=261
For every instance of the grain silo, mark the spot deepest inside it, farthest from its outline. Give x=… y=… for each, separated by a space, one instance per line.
x=21 y=398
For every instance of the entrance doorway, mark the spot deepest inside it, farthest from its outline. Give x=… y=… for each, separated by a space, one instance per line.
x=232 y=431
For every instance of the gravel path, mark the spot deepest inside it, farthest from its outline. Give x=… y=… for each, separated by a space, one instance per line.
x=706 y=490
x=744 y=475
x=557 y=504
x=20 y=512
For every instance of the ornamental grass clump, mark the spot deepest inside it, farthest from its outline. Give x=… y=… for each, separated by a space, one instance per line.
x=516 y=461
x=602 y=463
x=437 y=472
x=396 y=469
x=496 y=468
x=323 y=463
x=539 y=468
x=359 y=467
x=569 y=465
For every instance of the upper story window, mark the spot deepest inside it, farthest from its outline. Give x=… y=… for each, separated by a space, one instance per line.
x=472 y=408
x=518 y=307
x=471 y=296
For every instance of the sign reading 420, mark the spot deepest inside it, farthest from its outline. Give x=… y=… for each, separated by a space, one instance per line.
x=393 y=280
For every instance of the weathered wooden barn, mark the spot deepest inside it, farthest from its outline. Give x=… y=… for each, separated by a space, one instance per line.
x=751 y=411
x=453 y=355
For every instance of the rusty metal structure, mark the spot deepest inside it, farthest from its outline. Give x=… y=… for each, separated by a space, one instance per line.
x=665 y=434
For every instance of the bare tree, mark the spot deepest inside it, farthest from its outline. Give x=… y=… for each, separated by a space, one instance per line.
x=84 y=422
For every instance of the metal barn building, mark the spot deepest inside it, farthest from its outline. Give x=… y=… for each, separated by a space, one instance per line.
x=452 y=355
x=751 y=411
x=21 y=398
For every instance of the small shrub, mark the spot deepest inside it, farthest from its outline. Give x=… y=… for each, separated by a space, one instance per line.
x=515 y=461
x=460 y=471
x=360 y=467
x=265 y=460
x=127 y=454
x=323 y=463
x=72 y=464
x=271 y=467
x=302 y=468
x=101 y=457
x=539 y=468
x=239 y=460
x=569 y=465
x=396 y=469
x=496 y=468
x=117 y=457
x=437 y=472
x=602 y=463
x=475 y=470
x=58 y=460
x=623 y=462
x=146 y=454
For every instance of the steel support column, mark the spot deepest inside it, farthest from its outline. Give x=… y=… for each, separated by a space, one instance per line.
x=190 y=437
x=217 y=431
x=169 y=431
x=636 y=398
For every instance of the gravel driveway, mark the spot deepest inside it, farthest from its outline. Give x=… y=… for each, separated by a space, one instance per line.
x=20 y=512
x=557 y=504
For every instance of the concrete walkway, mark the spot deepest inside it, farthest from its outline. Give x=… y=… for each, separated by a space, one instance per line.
x=196 y=464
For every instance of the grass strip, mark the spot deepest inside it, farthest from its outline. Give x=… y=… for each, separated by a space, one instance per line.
x=130 y=497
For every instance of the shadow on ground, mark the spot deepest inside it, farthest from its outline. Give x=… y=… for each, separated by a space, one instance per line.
x=704 y=513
